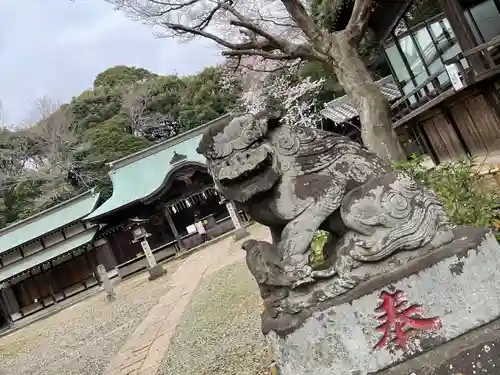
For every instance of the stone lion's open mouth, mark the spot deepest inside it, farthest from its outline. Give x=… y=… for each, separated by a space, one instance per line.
x=249 y=176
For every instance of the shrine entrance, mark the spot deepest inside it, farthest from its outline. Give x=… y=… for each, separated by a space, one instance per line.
x=187 y=196
x=205 y=205
x=191 y=197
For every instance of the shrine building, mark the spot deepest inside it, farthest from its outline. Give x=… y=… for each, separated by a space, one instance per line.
x=168 y=188
x=165 y=189
x=49 y=257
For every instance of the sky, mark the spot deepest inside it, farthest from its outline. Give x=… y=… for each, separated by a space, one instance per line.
x=55 y=48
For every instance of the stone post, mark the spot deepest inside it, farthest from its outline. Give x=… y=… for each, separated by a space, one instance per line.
x=240 y=231
x=106 y=283
x=155 y=269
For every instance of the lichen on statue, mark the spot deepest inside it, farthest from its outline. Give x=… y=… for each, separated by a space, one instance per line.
x=296 y=180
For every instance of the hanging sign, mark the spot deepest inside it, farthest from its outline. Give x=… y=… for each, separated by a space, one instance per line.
x=455 y=79
x=234 y=216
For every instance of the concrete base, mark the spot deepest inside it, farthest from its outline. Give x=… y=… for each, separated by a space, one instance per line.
x=240 y=233
x=449 y=292
x=476 y=352
x=156 y=272
x=110 y=296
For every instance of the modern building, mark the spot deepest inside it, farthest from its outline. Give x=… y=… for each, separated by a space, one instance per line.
x=445 y=61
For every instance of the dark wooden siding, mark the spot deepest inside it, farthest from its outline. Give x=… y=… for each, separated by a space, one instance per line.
x=443 y=137
x=469 y=121
x=122 y=246
x=478 y=123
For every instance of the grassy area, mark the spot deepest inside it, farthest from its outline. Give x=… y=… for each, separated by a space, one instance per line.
x=220 y=332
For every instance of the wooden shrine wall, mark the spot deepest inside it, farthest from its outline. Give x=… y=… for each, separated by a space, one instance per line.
x=468 y=122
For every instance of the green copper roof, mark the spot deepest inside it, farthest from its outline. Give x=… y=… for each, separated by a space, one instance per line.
x=46 y=255
x=141 y=175
x=47 y=221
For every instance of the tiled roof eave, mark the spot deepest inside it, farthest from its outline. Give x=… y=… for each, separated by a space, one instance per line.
x=12 y=236
x=160 y=190
x=45 y=256
x=140 y=182
x=341 y=109
x=48 y=234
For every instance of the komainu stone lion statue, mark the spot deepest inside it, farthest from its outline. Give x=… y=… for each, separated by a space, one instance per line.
x=296 y=180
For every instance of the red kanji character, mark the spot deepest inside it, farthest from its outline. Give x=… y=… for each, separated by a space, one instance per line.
x=399 y=320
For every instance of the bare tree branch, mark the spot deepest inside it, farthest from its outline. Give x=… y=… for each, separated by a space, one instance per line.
x=135 y=101
x=252 y=52
x=302 y=18
x=257 y=64
x=275 y=22
x=290 y=50
x=182 y=29
x=205 y=22
x=272 y=41
x=358 y=22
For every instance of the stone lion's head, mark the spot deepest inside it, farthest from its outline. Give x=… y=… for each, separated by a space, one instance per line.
x=240 y=162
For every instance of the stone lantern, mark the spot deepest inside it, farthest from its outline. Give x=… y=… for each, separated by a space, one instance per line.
x=141 y=235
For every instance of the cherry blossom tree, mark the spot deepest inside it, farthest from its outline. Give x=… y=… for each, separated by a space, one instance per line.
x=284 y=30
x=271 y=84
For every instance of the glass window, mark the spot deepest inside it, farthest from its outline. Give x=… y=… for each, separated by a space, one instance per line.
x=427 y=47
x=416 y=64
x=487 y=19
x=399 y=68
x=397 y=63
x=431 y=54
x=423 y=52
x=446 y=40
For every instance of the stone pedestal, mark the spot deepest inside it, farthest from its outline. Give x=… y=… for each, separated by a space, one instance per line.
x=156 y=272
x=412 y=306
x=106 y=283
x=240 y=233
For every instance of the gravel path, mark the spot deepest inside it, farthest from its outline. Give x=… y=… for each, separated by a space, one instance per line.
x=220 y=332
x=82 y=339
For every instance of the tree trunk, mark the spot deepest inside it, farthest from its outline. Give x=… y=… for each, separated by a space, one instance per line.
x=373 y=108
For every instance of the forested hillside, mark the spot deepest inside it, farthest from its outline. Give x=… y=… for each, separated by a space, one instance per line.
x=63 y=150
